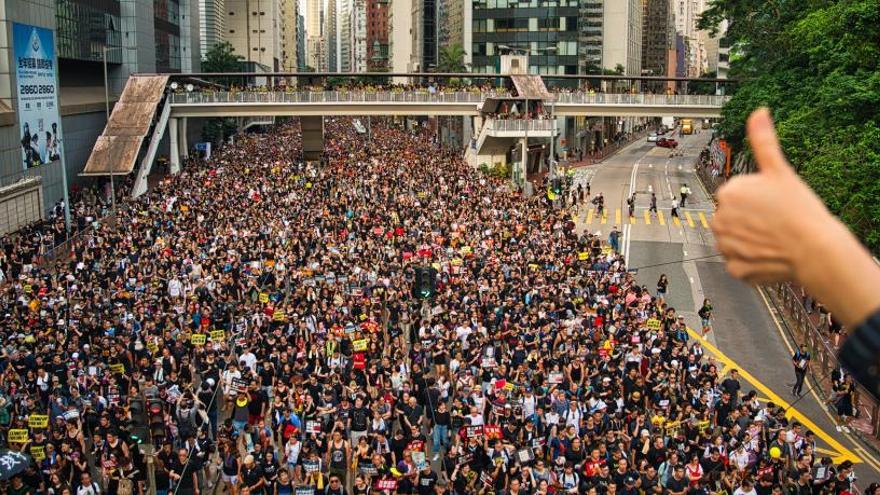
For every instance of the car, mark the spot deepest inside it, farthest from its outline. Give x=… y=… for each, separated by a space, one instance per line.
x=652 y=138
x=667 y=143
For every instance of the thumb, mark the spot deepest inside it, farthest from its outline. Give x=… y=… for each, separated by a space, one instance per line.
x=765 y=144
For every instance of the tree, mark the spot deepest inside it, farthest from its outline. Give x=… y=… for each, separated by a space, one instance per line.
x=452 y=59
x=815 y=64
x=703 y=88
x=222 y=58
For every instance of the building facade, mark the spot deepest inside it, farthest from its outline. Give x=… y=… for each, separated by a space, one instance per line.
x=345 y=35
x=300 y=43
x=400 y=31
x=316 y=45
x=331 y=35
x=622 y=36
x=212 y=24
x=658 y=42
x=545 y=29
x=358 y=35
x=377 y=34
x=254 y=31
x=287 y=21
x=591 y=17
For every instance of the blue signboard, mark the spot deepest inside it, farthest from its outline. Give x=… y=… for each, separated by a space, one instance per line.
x=39 y=118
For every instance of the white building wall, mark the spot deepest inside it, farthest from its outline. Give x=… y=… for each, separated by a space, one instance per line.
x=400 y=37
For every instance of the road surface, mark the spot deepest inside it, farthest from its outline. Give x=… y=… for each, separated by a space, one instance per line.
x=746 y=333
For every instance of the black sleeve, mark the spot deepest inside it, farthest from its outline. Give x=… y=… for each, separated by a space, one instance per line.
x=859 y=354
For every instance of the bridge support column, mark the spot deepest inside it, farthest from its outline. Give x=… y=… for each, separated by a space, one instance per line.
x=524 y=162
x=182 y=141
x=312 y=138
x=173 y=148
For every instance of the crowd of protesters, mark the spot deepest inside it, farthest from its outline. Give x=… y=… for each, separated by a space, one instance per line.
x=264 y=310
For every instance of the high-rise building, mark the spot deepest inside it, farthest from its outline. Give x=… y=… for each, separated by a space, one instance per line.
x=622 y=36
x=212 y=25
x=450 y=22
x=345 y=35
x=255 y=31
x=687 y=15
x=300 y=43
x=658 y=42
x=424 y=33
x=288 y=22
x=331 y=36
x=401 y=37
x=358 y=35
x=316 y=45
x=132 y=35
x=377 y=34
x=591 y=19
x=548 y=33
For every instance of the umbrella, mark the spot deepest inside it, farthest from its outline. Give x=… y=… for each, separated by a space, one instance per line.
x=12 y=463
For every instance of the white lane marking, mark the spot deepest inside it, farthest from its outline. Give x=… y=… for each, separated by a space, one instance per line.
x=627 y=228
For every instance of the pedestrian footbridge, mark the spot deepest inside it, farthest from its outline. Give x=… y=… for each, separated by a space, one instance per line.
x=151 y=106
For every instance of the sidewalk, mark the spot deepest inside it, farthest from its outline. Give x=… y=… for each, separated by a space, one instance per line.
x=606 y=152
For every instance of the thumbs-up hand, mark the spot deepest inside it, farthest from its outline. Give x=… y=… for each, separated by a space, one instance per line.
x=766 y=222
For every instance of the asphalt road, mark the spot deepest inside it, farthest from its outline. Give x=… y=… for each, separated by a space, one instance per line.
x=746 y=335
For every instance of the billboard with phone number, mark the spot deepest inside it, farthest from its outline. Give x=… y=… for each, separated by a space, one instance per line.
x=39 y=117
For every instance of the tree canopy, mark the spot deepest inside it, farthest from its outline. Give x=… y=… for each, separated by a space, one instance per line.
x=815 y=64
x=222 y=58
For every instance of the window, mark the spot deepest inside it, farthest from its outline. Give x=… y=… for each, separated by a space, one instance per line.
x=232 y=13
x=232 y=31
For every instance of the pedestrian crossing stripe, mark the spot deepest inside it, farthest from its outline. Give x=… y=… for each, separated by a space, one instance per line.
x=703 y=220
x=691 y=219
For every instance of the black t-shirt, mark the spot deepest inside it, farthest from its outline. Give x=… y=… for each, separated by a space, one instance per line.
x=251 y=476
x=185 y=471
x=426 y=483
x=359 y=419
x=675 y=485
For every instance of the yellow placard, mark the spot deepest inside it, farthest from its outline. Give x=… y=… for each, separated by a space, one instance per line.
x=363 y=316
x=436 y=266
x=308 y=185
x=653 y=324
x=28 y=289
x=153 y=348
x=218 y=335
x=508 y=386
x=278 y=315
x=17 y=436
x=359 y=345
x=38 y=452
x=533 y=266
x=583 y=256
x=606 y=250
x=456 y=261
x=264 y=297
x=198 y=339
x=117 y=368
x=38 y=421
x=465 y=250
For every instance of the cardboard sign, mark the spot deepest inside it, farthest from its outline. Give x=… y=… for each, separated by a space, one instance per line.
x=653 y=324
x=367 y=468
x=17 y=436
x=492 y=431
x=583 y=256
x=264 y=297
x=359 y=345
x=488 y=362
x=554 y=378
x=198 y=339
x=218 y=335
x=469 y=432
x=386 y=484
x=278 y=315
x=239 y=385
x=416 y=446
x=311 y=466
x=38 y=452
x=38 y=421
x=117 y=368
x=313 y=427
x=305 y=490
x=420 y=460
x=153 y=348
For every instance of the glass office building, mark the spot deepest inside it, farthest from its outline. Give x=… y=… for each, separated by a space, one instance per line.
x=85 y=27
x=546 y=29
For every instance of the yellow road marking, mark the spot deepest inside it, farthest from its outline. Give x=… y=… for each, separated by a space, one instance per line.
x=840 y=452
x=617 y=216
x=690 y=220
x=589 y=219
x=604 y=217
x=676 y=221
x=632 y=219
x=703 y=220
x=647 y=218
x=661 y=218
x=869 y=459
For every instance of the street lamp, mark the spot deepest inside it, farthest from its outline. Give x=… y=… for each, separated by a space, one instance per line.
x=104 y=50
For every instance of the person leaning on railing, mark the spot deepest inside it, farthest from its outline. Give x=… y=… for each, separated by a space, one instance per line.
x=771 y=227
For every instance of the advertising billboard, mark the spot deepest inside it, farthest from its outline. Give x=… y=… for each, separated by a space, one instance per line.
x=39 y=117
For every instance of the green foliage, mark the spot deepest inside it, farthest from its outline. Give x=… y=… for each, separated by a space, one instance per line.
x=815 y=64
x=452 y=59
x=222 y=58
x=703 y=88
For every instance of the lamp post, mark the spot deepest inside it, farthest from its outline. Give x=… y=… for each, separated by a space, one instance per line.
x=104 y=50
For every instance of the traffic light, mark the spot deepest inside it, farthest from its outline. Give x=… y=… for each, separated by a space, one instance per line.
x=425 y=285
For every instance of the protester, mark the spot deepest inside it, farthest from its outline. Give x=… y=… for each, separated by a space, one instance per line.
x=255 y=319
